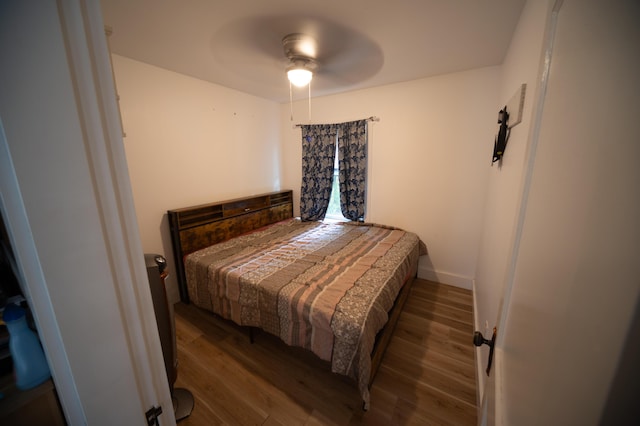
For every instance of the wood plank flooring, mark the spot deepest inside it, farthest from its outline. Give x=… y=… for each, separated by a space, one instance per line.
x=427 y=375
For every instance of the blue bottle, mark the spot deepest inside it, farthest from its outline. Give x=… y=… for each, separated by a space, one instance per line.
x=29 y=363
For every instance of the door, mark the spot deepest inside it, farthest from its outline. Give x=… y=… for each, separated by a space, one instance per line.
x=573 y=287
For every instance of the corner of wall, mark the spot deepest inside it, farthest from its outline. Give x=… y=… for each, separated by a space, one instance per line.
x=445 y=278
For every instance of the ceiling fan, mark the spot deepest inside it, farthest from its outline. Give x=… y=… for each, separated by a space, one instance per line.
x=301 y=50
x=263 y=50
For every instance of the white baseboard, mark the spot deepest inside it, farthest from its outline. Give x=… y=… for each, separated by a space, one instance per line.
x=446 y=278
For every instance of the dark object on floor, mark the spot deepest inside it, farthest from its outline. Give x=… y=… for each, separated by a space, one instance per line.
x=156 y=271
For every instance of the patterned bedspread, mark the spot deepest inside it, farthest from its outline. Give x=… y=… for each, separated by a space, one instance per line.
x=324 y=287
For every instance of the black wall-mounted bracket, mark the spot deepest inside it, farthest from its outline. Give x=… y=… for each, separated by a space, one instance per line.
x=500 y=143
x=479 y=340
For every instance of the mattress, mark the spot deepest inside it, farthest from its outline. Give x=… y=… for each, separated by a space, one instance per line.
x=323 y=287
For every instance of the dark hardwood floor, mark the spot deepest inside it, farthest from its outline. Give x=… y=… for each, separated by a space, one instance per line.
x=427 y=375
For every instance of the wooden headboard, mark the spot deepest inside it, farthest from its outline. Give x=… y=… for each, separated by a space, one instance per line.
x=197 y=227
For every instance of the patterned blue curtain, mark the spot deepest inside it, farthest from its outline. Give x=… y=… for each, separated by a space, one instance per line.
x=352 y=168
x=318 y=155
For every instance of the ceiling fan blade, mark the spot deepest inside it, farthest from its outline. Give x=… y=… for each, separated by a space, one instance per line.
x=343 y=56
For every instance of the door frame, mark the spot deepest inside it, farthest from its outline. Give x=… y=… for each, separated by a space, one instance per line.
x=34 y=285
x=88 y=60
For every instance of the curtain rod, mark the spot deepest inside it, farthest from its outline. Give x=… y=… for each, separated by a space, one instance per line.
x=372 y=118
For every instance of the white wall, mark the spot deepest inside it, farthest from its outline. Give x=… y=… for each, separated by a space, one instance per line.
x=576 y=283
x=429 y=160
x=191 y=142
x=521 y=65
x=429 y=152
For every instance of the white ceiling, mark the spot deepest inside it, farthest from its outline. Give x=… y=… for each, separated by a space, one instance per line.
x=362 y=43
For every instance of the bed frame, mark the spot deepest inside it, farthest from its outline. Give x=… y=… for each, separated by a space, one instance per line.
x=194 y=228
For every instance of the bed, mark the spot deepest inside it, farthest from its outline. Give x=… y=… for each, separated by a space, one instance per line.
x=333 y=289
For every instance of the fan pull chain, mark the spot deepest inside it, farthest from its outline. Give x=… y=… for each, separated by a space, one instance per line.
x=291 y=101
x=309 y=97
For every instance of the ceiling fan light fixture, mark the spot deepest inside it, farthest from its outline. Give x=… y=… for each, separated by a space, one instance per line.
x=301 y=51
x=299 y=76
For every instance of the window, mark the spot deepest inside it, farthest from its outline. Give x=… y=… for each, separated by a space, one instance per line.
x=334 y=212
x=346 y=145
